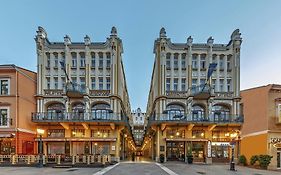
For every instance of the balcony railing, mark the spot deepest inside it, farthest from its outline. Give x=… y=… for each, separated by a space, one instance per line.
x=76 y=117
x=201 y=91
x=53 y=92
x=189 y=118
x=75 y=90
x=99 y=92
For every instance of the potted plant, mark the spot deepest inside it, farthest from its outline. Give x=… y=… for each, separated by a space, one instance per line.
x=189 y=158
x=162 y=158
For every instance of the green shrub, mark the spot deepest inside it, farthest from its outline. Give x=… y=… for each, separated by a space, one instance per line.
x=254 y=159
x=264 y=161
x=243 y=160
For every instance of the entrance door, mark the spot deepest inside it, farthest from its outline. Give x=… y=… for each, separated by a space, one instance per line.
x=175 y=151
x=279 y=159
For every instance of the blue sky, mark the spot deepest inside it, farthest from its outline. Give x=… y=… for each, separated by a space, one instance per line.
x=138 y=24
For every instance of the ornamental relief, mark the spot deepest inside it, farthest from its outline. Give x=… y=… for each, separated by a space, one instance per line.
x=229 y=102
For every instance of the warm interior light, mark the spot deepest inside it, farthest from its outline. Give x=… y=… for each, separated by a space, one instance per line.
x=96 y=144
x=178 y=133
x=125 y=135
x=226 y=134
x=202 y=134
x=40 y=131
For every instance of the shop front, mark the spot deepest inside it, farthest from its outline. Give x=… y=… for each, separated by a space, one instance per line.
x=275 y=152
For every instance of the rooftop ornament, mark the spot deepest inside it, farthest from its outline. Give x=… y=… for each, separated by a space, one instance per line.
x=113 y=31
x=67 y=40
x=162 y=33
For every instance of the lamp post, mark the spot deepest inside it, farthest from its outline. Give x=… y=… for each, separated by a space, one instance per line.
x=232 y=164
x=40 y=132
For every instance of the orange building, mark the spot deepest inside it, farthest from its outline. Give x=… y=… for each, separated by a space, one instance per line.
x=17 y=101
x=261 y=132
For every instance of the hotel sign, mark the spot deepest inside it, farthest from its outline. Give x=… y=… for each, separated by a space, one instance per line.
x=275 y=140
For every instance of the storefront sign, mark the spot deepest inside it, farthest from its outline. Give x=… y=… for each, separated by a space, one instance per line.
x=275 y=140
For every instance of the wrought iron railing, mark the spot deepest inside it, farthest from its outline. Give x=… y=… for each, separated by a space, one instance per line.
x=76 y=117
x=76 y=88
x=197 y=118
x=53 y=92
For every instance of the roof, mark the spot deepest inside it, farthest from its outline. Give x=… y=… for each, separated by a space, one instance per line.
x=13 y=66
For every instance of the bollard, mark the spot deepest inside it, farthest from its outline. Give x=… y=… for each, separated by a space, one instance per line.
x=28 y=160
x=92 y=159
x=59 y=157
x=84 y=159
x=103 y=159
x=13 y=159
x=32 y=159
x=73 y=160
x=77 y=159
x=1 y=159
x=45 y=159
x=88 y=159
x=109 y=158
x=99 y=158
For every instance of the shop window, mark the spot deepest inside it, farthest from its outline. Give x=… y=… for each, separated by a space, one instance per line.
x=198 y=134
x=56 y=148
x=56 y=133
x=101 y=133
x=175 y=133
x=78 y=133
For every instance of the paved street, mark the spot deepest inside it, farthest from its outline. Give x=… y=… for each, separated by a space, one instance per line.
x=139 y=168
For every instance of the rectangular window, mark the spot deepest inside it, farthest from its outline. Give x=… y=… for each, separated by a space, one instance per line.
x=107 y=83
x=183 y=56
x=221 y=85
x=198 y=134
x=214 y=84
x=93 y=83
x=108 y=63
x=168 y=60
x=56 y=133
x=82 y=83
x=3 y=117
x=228 y=85
x=56 y=84
x=175 y=84
x=183 y=80
x=56 y=61
x=100 y=83
x=100 y=133
x=48 y=83
x=62 y=82
x=279 y=112
x=194 y=83
x=48 y=60
x=74 y=80
x=100 y=63
x=194 y=62
x=74 y=62
x=176 y=65
x=221 y=64
x=82 y=62
x=93 y=62
x=78 y=133
x=202 y=81
x=228 y=65
x=203 y=62
x=4 y=86
x=168 y=84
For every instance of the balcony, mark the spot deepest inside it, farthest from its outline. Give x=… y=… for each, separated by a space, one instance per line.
x=177 y=94
x=201 y=92
x=53 y=92
x=47 y=117
x=189 y=118
x=75 y=90
x=99 y=93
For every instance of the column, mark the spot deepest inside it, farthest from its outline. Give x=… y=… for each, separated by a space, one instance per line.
x=225 y=72
x=199 y=67
x=52 y=86
x=218 y=74
x=172 y=75
x=189 y=68
x=88 y=69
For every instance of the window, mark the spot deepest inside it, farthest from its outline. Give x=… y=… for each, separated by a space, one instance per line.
x=175 y=84
x=176 y=61
x=48 y=60
x=56 y=60
x=228 y=64
x=56 y=86
x=194 y=82
x=279 y=112
x=168 y=60
x=214 y=84
x=194 y=61
x=202 y=82
x=62 y=82
x=221 y=63
x=48 y=83
x=100 y=83
x=198 y=113
x=183 y=56
x=198 y=134
x=228 y=85
x=108 y=60
x=78 y=133
x=82 y=83
x=93 y=82
x=3 y=117
x=214 y=59
x=203 y=61
x=100 y=63
x=107 y=83
x=56 y=133
x=93 y=55
x=168 y=84
x=82 y=62
x=74 y=80
x=5 y=86
x=101 y=133
x=183 y=80
x=221 y=84
x=74 y=59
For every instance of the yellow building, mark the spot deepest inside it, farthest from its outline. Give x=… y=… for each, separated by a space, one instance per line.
x=189 y=113
x=261 y=132
x=82 y=98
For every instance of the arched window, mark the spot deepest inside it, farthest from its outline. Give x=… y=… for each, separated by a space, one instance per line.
x=175 y=112
x=198 y=113
x=220 y=112
x=78 y=110
x=101 y=111
x=55 y=111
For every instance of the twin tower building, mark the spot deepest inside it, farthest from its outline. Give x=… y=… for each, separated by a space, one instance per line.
x=193 y=108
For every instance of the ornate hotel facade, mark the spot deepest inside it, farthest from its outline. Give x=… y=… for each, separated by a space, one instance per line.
x=189 y=113
x=82 y=98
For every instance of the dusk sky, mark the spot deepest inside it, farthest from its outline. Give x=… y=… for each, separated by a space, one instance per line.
x=138 y=24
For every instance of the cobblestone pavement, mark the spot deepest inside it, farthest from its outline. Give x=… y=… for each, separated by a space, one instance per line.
x=139 y=168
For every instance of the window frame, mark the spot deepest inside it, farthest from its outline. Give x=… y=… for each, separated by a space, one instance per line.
x=9 y=86
x=8 y=116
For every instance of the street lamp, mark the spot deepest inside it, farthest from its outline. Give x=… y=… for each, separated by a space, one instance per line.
x=232 y=164
x=40 y=132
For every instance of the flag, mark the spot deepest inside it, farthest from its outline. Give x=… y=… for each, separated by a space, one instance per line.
x=62 y=64
x=211 y=69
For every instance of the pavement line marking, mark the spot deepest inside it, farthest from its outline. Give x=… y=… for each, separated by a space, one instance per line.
x=103 y=171
x=170 y=172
